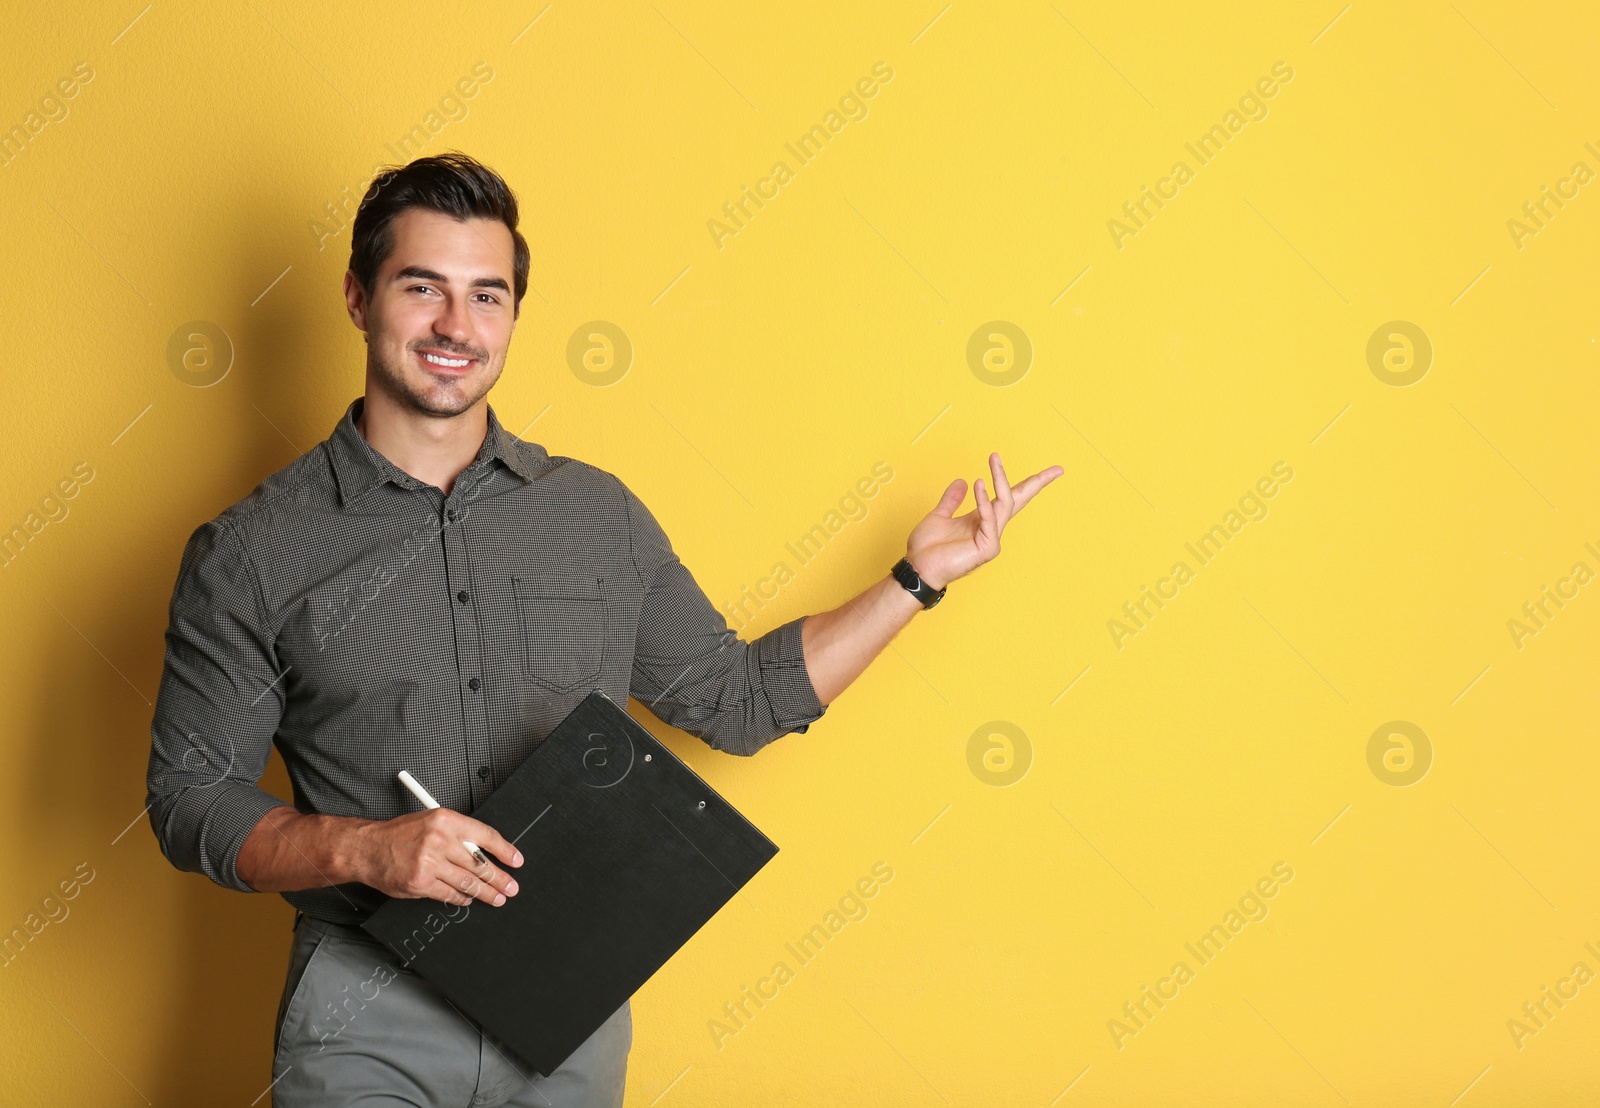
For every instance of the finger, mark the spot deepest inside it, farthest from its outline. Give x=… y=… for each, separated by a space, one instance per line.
x=475 y=887
x=986 y=521
x=954 y=493
x=468 y=869
x=492 y=841
x=1002 y=487
x=444 y=891
x=1025 y=490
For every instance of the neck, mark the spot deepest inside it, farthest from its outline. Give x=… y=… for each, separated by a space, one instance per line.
x=433 y=449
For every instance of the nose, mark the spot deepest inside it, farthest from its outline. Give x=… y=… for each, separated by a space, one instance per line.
x=454 y=323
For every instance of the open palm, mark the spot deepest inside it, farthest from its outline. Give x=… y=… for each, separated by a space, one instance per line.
x=945 y=546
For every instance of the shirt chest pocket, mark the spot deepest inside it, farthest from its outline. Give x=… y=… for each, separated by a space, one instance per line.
x=563 y=630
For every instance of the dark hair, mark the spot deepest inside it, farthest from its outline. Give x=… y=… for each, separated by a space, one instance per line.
x=454 y=184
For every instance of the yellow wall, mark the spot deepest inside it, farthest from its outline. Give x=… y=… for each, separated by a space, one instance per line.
x=199 y=175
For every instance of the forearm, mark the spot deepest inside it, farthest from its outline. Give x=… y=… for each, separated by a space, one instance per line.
x=840 y=644
x=290 y=850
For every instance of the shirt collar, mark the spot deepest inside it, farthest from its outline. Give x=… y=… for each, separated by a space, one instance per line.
x=358 y=468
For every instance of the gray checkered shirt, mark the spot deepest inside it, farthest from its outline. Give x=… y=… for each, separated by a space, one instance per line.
x=367 y=623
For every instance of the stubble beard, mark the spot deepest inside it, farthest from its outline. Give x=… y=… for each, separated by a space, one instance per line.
x=439 y=400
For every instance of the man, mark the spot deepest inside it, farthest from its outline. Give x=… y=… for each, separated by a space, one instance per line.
x=426 y=591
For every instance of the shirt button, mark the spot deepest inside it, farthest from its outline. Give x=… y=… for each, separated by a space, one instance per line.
x=463 y=596
x=473 y=684
x=483 y=773
x=451 y=513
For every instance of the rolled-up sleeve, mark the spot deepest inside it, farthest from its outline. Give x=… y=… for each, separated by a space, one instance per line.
x=695 y=673
x=216 y=712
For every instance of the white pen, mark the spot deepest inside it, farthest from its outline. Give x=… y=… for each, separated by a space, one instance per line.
x=426 y=797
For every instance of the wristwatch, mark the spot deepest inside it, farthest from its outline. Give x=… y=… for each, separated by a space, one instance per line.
x=915 y=585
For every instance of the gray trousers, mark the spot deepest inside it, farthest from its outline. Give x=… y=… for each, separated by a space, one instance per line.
x=356 y=1027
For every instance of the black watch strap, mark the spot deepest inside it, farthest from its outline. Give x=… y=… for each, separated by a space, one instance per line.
x=915 y=585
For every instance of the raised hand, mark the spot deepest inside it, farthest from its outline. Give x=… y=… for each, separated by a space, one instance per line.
x=945 y=546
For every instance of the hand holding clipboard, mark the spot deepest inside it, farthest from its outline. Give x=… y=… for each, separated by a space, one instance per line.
x=434 y=854
x=636 y=854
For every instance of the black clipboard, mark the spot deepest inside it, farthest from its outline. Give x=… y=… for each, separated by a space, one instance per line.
x=626 y=854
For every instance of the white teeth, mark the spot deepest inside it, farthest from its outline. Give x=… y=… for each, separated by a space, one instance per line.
x=455 y=363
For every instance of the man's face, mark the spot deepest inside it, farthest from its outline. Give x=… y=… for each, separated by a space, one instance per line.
x=441 y=298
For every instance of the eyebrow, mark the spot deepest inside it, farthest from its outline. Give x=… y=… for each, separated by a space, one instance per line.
x=422 y=273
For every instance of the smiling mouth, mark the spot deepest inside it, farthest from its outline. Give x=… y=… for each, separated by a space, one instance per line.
x=445 y=361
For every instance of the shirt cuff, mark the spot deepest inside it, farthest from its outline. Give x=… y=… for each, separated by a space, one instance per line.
x=214 y=821
x=793 y=700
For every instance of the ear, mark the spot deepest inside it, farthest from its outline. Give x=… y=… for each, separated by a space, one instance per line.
x=355 y=300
